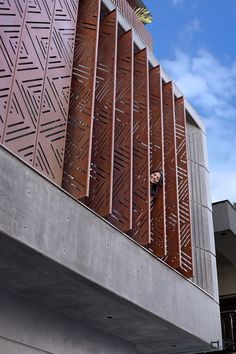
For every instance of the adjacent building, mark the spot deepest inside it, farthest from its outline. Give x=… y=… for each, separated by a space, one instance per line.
x=224 y=217
x=89 y=263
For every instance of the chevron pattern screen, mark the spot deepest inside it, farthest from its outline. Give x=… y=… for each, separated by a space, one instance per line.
x=37 y=48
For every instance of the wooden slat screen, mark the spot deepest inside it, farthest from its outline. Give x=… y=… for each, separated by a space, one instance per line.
x=141 y=151
x=123 y=144
x=100 y=195
x=158 y=224
x=171 y=181
x=80 y=121
x=183 y=189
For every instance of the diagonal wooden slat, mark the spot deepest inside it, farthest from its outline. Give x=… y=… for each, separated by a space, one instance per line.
x=171 y=182
x=26 y=95
x=100 y=194
x=183 y=189
x=158 y=223
x=12 y=19
x=141 y=151
x=51 y=131
x=80 y=121
x=123 y=143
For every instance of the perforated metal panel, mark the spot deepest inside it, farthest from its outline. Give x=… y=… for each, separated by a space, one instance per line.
x=29 y=79
x=123 y=144
x=51 y=132
x=37 y=43
x=141 y=151
x=183 y=189
x=12 y=19
x=80 y=122
x=158 y=224
x=171 y=182
x=100 y=195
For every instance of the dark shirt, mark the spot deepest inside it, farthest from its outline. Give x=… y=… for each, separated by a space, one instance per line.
x=154 y=189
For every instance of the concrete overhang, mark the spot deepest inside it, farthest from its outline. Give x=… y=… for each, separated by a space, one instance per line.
x=224 y=220
x=58 y=253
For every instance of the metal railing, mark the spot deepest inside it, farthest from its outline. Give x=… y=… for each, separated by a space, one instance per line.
x=134 y=21
x=228 y=319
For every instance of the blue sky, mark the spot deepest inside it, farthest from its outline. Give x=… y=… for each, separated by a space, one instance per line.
x=195 y=43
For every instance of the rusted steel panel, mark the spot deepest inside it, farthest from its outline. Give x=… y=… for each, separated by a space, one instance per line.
x=100 y=193
x=25 y=99
x=134 y=21
x=12 y=19
x=158 y=224
x=171 y=182
x=141 y=151
x=183 y=189
x=80 y=121
x=123 y=143
x=51 y=131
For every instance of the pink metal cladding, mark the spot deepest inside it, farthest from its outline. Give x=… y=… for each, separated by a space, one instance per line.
x=183 y=189
x=134 y=21
x=29 y=78
x=158 y=223
x=80 y=121
x=171 y=182
x=100 y=194
x=50 y=145
x=123 y=145
x=12 y=19
x=141 y=151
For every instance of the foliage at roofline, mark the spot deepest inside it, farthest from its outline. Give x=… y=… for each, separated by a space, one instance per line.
x=144 y=15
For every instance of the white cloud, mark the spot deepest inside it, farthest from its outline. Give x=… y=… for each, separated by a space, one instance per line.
x=193 y=26
x=211 y=87
x=177 y=2
x=222 y=185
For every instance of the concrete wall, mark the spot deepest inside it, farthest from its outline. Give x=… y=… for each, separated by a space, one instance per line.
x=227 y=283
x=202 y=226
x=152 y=306
x=30 y=328
x=224 y=218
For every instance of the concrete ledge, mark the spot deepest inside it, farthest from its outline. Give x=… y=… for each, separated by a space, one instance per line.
x=224 y=219
x=56 y=251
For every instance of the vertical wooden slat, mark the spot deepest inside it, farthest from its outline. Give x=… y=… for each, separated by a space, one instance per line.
x=12 y=19
x=183 y=189
x=141 y=151
x=158 y=222
x=100 y=194
x=123 y=144
x=51 y=131
x=80 y=121
x=26 y=95
x=171 y=182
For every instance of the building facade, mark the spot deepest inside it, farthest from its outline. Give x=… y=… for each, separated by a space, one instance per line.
x=224 y=217
x=89 y=263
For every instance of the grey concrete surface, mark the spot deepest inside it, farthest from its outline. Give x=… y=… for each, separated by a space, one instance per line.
x=224 y=218
x=204 y=255
x=27 y=327
x=58 y=253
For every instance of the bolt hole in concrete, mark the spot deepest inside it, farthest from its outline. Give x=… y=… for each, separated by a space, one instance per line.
x=64 y=250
